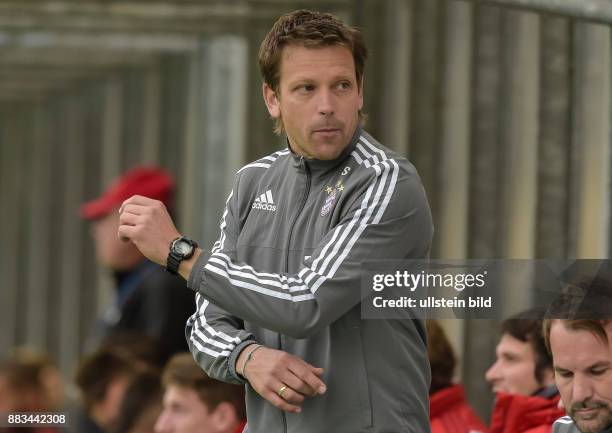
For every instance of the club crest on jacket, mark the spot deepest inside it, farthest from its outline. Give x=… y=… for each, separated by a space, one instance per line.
x=332 y=194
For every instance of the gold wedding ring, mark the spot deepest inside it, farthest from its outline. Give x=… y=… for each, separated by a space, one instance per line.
x=282 y=390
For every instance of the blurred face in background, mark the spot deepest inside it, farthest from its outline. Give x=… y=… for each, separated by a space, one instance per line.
x=112 y=252
x=184 y=412
x=106 y=411
x=46 y=395
x=514 y=369
x=583 y=373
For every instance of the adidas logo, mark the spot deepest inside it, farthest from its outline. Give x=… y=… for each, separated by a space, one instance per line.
x=265 y=202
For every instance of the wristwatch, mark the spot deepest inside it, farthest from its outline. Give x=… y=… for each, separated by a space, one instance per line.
x=180 y=249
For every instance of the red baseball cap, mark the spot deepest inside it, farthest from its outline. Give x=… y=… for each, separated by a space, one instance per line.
x=150 y=182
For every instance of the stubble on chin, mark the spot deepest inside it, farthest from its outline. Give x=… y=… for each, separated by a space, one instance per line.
x=594 y=425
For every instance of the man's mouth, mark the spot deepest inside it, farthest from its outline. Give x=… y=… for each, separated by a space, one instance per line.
x=587 y=412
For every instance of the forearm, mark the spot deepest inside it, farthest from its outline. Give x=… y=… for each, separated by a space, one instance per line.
x=216 y=339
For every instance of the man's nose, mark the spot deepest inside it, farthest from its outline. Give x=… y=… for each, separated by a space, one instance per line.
x=581 y=389
x=492 y=373
x=161 y=425
x=325 y=103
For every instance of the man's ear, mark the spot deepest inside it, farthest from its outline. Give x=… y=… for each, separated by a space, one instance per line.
x=272 y=101
x=224 y=416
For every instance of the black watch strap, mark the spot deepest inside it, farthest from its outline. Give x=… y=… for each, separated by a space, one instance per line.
x=172 y=264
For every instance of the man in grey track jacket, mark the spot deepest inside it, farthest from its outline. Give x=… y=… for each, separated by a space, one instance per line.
x=278 y=297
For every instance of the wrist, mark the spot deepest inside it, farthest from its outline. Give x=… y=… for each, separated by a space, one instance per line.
x=186 y=266
x=245 y=356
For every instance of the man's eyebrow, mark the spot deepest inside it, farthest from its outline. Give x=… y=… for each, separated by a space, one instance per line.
x=599 y=364
x=310 y=78
x=560 y=369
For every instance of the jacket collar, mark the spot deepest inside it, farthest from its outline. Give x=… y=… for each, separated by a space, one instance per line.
x=320 y=165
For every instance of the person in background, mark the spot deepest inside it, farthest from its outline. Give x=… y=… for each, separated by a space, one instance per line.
x=141 y=404
x=29 y=382
x=578 y=334
x=195 y=403
x=449 y=411
x=147 y=299
x=102 y=379
x=582 y=354
x=523 y=379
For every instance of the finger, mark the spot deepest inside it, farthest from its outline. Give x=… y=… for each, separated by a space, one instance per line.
x=129 y=219
x=281 y=404
x=309 y=377
x=138 y=200
x=297 y=384
x=125 y=232
x=289 y=394
x=136 y=209
x=317 y=370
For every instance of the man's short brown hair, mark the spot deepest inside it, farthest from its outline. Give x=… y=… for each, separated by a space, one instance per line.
x=595 y=327
x=308 y=29
x=98 y=370
x=182 y=371
x=526 y=327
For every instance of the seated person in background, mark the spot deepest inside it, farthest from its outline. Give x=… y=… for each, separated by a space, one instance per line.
x=195 y=403
x=582 y=353
x=141 y=405
x=449 y=412
x=146 y=351
x=103 y=378
x=523 y=378
x=579 y=336
x=29 y=382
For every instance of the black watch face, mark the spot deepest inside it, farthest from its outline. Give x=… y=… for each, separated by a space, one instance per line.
x=182 y=248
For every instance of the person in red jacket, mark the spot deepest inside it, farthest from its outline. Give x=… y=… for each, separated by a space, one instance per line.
x=449 y=411
x=527 y=400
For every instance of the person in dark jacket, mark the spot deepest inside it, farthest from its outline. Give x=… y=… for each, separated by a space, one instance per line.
x=527 y=400
x=279 y=295
x=148 y=300
x=449 y=411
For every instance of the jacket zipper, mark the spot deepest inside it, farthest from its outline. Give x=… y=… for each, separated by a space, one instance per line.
x=300 y=209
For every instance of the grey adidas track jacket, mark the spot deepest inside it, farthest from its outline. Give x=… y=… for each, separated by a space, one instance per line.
x=285 y=272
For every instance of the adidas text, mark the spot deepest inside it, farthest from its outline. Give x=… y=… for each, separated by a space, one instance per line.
x=264 y=206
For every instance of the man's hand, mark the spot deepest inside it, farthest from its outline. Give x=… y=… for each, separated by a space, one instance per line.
x=269 y=370
x=146 y=222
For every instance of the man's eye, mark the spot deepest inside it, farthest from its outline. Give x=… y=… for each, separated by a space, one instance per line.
x=598 y=372
x=344 y=85
x=564 y=374
x=307 y=87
